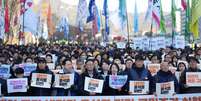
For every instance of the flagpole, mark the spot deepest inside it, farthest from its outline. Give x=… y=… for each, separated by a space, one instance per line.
x=128 y=33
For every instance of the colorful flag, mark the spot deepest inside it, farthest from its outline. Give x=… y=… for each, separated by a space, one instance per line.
x=122 y=13
x=162 y=21
x=107 y=28
x=156 y=12
x=196 y=14
x=136 y=25
x=49 y=22
x=7 y=20
x=187 y=22
x=173 y=13
x=93 y=11
x=149 y=10
x=183 y=4
x=81 y=14
x=98 y=20
x=64 y=26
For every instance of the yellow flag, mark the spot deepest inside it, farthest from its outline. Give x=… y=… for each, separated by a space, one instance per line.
x=196 y=14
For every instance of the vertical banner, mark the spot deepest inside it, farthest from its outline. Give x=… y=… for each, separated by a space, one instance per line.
x=166 y=88
x=41 y=80
x=93 y=85
x=156 y=12
x=64 y=80
x=17 y=85
x=139 y=87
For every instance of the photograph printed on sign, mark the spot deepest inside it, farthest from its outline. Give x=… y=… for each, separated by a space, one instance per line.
x=93 y=85
x=166 y=88
x=139 y=87
x=41 y=80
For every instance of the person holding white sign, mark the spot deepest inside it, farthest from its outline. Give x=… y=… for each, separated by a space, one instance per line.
x=164 y=75
x=74 y=88
x=91 y=73
x=114 y=81
x=42 y=69
x=140 y=73
x=187 y=81
x=18 y=74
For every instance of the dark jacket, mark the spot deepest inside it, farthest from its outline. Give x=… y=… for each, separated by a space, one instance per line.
x=107 y=90
x=96 y=75
x=162 y=77
x=73 y=91
x=139 y=74
x=36 y=91
x=3 y=87
x=183 y=82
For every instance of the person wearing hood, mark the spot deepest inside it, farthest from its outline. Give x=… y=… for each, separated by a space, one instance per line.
x=74 y=89
x=193 y=67
x=43 y=69
x=165 y=75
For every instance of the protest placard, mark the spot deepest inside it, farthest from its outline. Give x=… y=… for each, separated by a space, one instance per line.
x=4 y=71
x=41 y=80
x=193 y=79
x=117 y=81
x=51 y=66
x=179 y=41
x=166 y=88
x=93 y=85
x=121 y=45
x=17 y=85
x=153 y=68
x=139 y=87
x=28 y=68
x=64 y=80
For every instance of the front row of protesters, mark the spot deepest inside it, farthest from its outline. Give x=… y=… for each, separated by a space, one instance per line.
x=109 y=79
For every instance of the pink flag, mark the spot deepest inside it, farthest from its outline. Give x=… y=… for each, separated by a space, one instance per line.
x=184 y=5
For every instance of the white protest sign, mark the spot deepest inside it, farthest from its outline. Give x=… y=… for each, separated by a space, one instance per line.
x=139 y=87
x=17 y=85
x=179 y=41
x=64 y=80
x=41 y=80
x=145 y=43
x=161 y=42
x=166 y=88
x=168 y=41
x=4 y=71
x=121 y=45
x=153 y=44
x=93 y=85
x=117 y=81
x=137 y=42
x=51 y=66
x=153 y=68
x=193 y=79
x=28 y=68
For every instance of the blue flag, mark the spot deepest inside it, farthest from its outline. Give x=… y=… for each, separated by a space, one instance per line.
x=122 y=13
x=135 y=23
x=91 y=16
x=98 y=20
x=105 y=13
x=64 y=26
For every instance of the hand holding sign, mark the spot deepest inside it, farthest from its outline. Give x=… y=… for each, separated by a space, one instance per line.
x=41 y=80
x=93 y=85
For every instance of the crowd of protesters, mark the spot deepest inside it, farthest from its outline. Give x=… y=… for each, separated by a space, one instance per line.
x=99 y=62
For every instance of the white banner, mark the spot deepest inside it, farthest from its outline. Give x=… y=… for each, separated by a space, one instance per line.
x=121 y=45
x=153 y=68
x=93 y=85
x=139 y=87
x=177 y=97
x=41 y=80
x=117 y=81
x=64 y=80
x=166 y=88
x=179 y=41
x=193 y=79
x=17 y=85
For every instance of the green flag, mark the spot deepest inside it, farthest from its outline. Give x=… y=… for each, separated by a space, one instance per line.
x=187 y=22
x=162 y=21
x=173 y=10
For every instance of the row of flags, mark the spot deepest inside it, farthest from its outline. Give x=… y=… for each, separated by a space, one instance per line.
x=90 y=13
